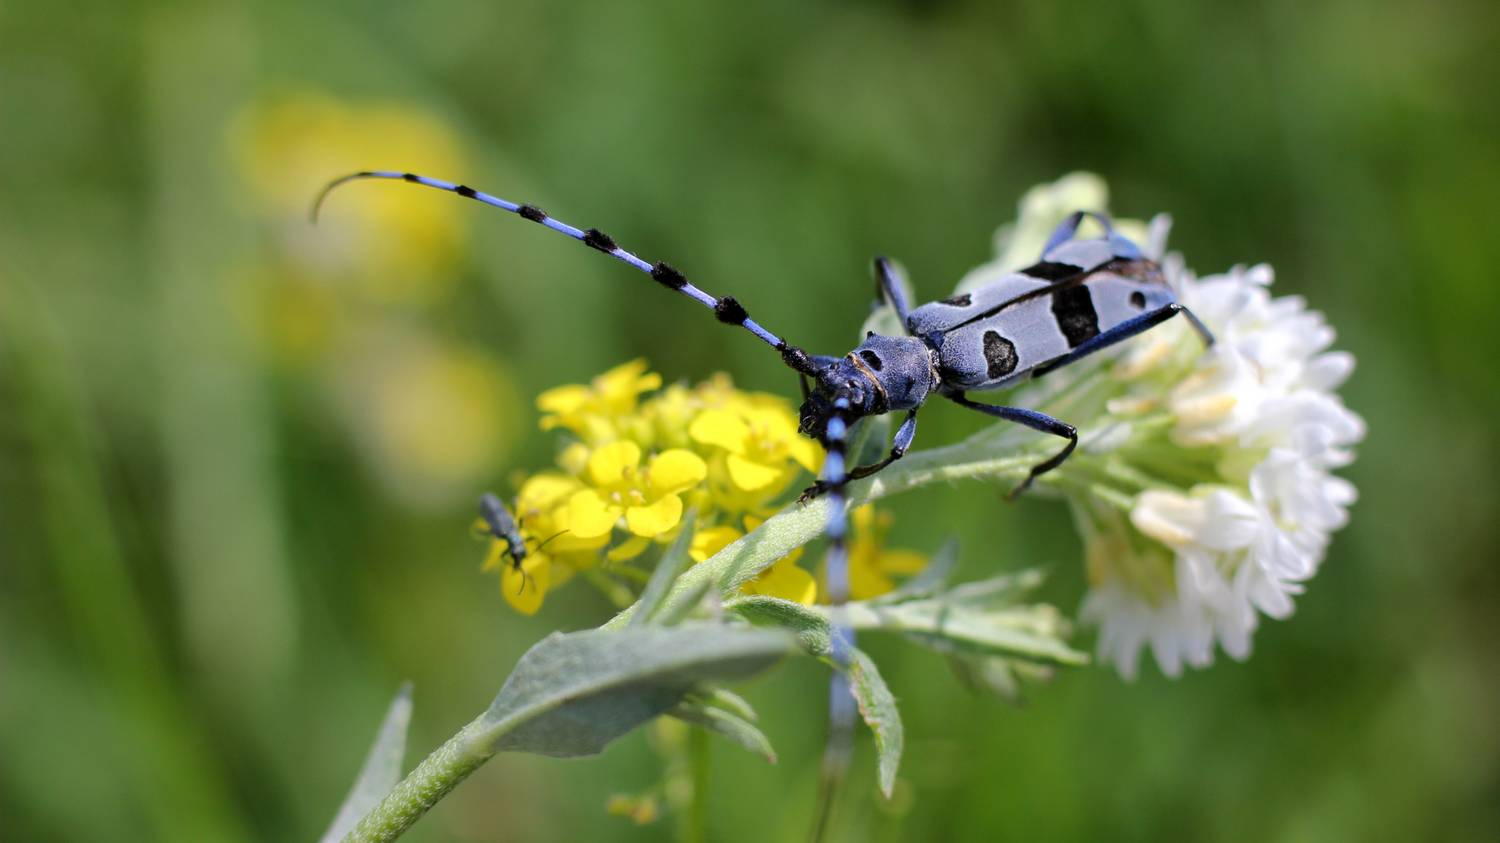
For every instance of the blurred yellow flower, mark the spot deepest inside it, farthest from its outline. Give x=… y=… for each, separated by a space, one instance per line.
x=390 y=245
x=785 y=579
x=872 y=567
x=646 y=497
x=431 y=416
x=597 y=412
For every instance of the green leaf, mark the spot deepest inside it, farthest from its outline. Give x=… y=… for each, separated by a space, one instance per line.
x=573 y=693
x=667 y=570
x=877 y=706
x=809 y=625
x=381 y=771
x=727 y=723
x=725 y=699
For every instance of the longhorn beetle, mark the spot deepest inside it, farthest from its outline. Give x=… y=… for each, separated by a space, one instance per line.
x=1080 y=296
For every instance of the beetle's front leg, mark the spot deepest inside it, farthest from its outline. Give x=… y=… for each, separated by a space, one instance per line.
x=899 y=444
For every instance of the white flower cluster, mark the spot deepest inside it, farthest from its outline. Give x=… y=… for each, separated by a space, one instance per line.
x=1262 y=405
x=1225 y=457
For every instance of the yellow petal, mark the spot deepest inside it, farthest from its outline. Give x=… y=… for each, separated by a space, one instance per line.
x=655 y=519
x=544 y=491
x=628 y=549
x=562 y=399
x=674 y=471
x=902 y=563
x=589 y=514
x=751 y=476
x=867 y=581
x=524 y=592
x=492 y=557
x=785 y=580
x=720 y=428
x=608 y=464
x=711 y=540
x=806 y=452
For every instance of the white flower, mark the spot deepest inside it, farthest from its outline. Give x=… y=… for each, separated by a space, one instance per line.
x=1224 y=455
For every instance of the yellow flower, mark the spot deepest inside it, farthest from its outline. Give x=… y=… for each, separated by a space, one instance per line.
x=598 y=411
x=711 y=540
x=785 y=579
x=761 y=449
x=873 y=568
x=556 y=551
x=646 y=497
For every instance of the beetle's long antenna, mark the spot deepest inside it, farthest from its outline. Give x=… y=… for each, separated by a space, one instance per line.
x=841 y=709
x=726 y=309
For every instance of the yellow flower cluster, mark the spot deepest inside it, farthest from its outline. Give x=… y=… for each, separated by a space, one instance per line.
x=642 y=456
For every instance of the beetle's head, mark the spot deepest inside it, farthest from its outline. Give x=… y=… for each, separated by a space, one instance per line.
x=881 y=375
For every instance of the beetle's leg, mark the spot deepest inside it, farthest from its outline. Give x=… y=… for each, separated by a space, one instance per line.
x=1124 y=331
x=888 y=287
x=902 y=441
x=1035 y=421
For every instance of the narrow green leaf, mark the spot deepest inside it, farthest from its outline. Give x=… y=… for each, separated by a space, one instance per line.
x=671 y=614
x=727 y=724
x=809 y=625
x=725 y=699
x=381 y=770
x=667 y=570
x=573 y=693
x=878 y=708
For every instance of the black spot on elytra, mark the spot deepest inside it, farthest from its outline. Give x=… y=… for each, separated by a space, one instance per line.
x=1049 y=271
x=1138 y=300
x=872 y=359
x=464 y=190
x=1000 y=354
x=959 y=301
x=532 y=212
x=730 y=311
x=668 y=277
x=1076 y=317
x=599 y=240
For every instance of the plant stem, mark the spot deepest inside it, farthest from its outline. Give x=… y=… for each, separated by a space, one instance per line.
x=696 y=830
x=438 y=774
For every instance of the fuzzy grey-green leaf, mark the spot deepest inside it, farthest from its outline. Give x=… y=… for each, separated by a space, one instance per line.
x=878 y=708
x=381 y=770
x=671 y=564
x=573 y=693
x=728 y=724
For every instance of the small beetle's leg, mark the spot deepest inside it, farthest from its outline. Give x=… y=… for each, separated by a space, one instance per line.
x=888 y=286
x=1035 y=421
x=902 y=441
x=1124 y=331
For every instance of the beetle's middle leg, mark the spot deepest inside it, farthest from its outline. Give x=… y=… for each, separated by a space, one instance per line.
x=902 y=441
x=1035 y=421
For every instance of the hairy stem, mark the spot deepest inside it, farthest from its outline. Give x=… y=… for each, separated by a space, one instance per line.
x=438 y=774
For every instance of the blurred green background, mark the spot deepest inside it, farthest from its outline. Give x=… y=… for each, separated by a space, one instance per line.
x=238 y=456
